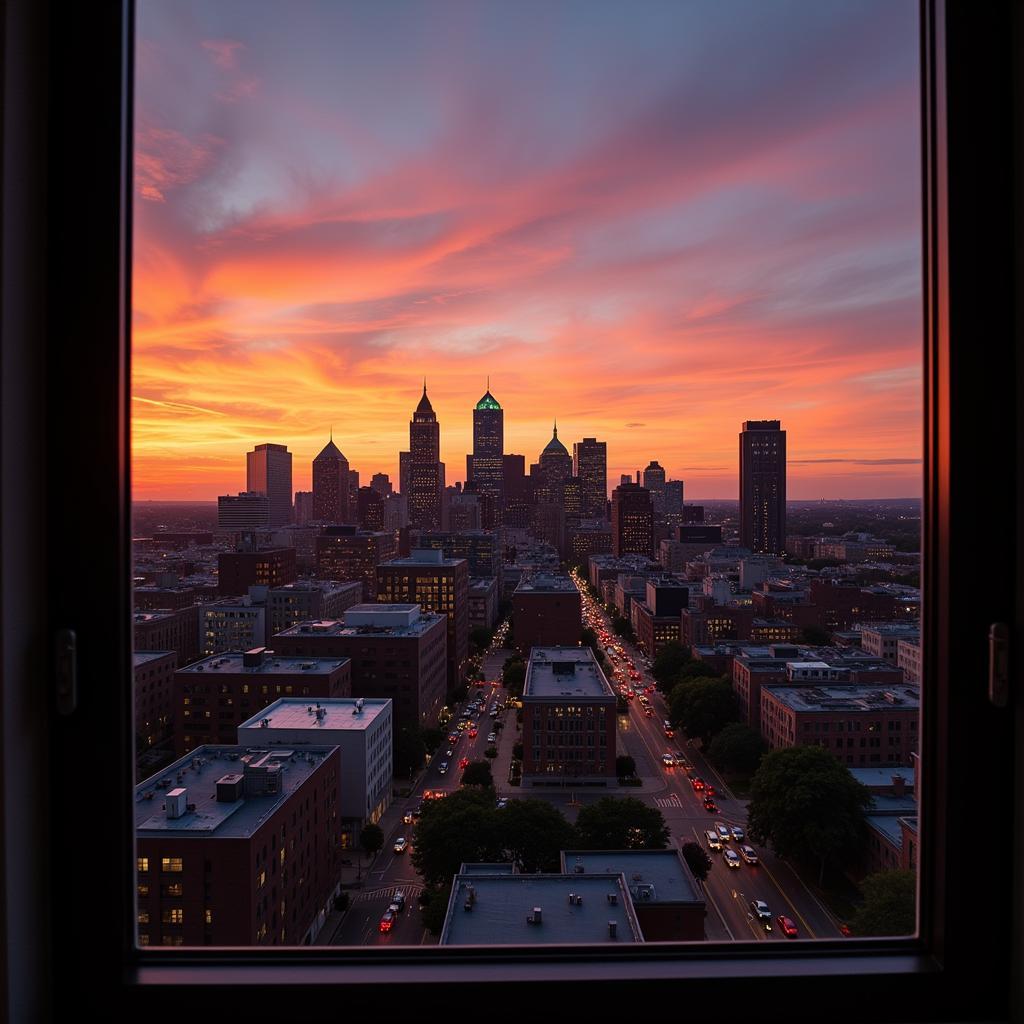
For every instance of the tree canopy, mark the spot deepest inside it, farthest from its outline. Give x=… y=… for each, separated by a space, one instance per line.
x=462 y=827
x=737 y=748
x=621 y=824
x=703 y=707
x=808 y=806
x=668 y=663
x=432 y=737
x=890 y=904
x=625 y=766
x=698 y=860
x=409 y=750
x=513 y=678
x=371 y=839
x=534 y=833
x=478 y=773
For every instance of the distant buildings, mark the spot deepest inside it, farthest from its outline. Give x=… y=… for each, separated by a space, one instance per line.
x=247 y=567
x=763 y=487
x=485 y=467
x=310 y=599
x=269 y=471
x=568 y=719
x=426 y=480
x=590 y=467
x=331 y=486
x=632 y=521
x=247 y=510
x=348 y=553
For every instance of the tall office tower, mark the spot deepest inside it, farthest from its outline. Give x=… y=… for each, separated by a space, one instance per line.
x=404 y=462
x=370 y=506
x=269 y=471
x=673 y=497
x=303 y=507
x=353 y=489
x=486 y=466
x=590 y=465
x=550 y=474
x=654 y=481
x=425 y=478
x=331 y=486
x=632 y=521
x=518 y=495
x=625 y=478
x=381 y=483
x=763 y=487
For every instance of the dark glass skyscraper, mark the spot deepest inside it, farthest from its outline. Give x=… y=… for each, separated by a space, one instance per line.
x=632 y=520
x=590 y=465
x=269 y=471
x=425 y=477
x=486 y=464
x=331 y=486
x=654 y=481
x=763 y=486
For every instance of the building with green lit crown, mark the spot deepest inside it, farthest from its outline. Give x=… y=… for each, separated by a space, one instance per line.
x=485 y=466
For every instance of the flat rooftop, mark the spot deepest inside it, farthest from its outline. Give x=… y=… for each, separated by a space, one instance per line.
x=502 y=902
x=910 y=630
x=339 y=628
x=310 y=586
x=888 y=826
x=142 y=657
x=652 y=876
x=156 y=616
x=853 y=697
x=336 y=713
x=557 y=672
x=487 y=869
x=423 y=557
x=272 y=664
x=877 y=777
x=482 y=583
x=200 y=770
x=546 y=583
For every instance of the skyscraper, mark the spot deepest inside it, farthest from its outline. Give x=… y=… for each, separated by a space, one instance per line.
x=331 y=486
x=763 y=486
x=632 y=520
x=654 y=481
x=486 y=465
x=425 y=478
x=590 y=465
x=269 y=471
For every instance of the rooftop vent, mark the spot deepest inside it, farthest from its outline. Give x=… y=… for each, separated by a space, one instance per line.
x=535 y=917
x=613 y=929
x=613 y=899
x=176 y=802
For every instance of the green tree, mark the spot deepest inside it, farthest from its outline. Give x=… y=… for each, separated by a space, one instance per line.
x=737 y=748
x=703 y=707
x=409 y=750
x=622 y=627
x=461 y=828
x=621 y=824
x=491 y=752
x=371 y=839
x=808 y=806
x=517 y=751
x=533 y=834
x=697 y=859
x=697 y=669
x=890 y=904
x=514 y=677
x=432 y=738
x=478 y=773
x=434 y=909
x=815 y=635
x=480 y=637
x=625 y=766
x=668 y=663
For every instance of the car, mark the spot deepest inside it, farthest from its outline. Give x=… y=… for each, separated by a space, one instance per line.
x=492 y=737
x=407 y=817
x=762 y=913
x=463 y=762
x=473 y=733
x=732 y=858
x=401 y=844
x=493 y=712
x=787 y=926
x=502 y=802
x=749 y=854
x=443 y=768
x=681 y=761
x=386 y=922
x=453 y=737
x=668 y=760
x=713 y=841
x=648 y=712
x=398 y=900
x=710 y=805
x=394 y=909
x=697 y=782
x=448 y=753
x=723 y=832
x=669 y=733
x=737 y=833
x=666 y=724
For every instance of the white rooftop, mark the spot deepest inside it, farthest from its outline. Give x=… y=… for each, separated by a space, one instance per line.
x=557 y=672
x=335 y=713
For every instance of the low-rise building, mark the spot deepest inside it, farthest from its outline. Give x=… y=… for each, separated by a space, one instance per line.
x=882 y=638
x=361 y=728
x=237 y=571
x=168 y=629
x=547 y=611
x=154 y=697
x=655 y=620
x=235 y=624
x=397 y=652
x=310 y=599
x=483 y=602
x=347 y=553
x=569 y=727
x=908 y=658
x=860 y=725
x=238 y=847
x=212 y=697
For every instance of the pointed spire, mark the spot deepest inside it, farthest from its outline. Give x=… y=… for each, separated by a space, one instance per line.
x=556 y=427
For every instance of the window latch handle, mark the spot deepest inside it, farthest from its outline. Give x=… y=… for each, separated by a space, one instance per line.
x=999 y=664
x=66 y=671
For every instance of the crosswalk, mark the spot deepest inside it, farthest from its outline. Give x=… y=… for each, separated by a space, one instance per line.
x=388 y=890
x=669 y=801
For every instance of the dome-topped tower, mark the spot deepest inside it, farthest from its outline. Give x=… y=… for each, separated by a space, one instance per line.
x=554 y=446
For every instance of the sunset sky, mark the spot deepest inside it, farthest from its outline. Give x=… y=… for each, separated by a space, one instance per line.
x=651 y=220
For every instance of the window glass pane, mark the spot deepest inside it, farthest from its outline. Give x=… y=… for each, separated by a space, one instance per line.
x=500 y=370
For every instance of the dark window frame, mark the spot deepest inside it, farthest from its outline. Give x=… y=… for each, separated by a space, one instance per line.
x=66 y=250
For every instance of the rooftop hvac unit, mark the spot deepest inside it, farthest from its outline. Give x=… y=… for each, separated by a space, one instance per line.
x=613 y=898
x=612 y=929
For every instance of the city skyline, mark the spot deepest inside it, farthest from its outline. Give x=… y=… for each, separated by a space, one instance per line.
x=653 y=224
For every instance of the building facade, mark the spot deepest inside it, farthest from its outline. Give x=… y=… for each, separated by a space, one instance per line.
x=426 y=479
x=763 y=487
x=547 y=611
x=268 y=470
x=331 y=486
x=632 y=521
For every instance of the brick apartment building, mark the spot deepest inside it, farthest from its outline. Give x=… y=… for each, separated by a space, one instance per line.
x=237 y=571
x=310 y=599
x=168 y=630
x=547 y=611
x=348 y=553
x=214 y=696
x=237 y=847
x=395 y=650
x=153 y=678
